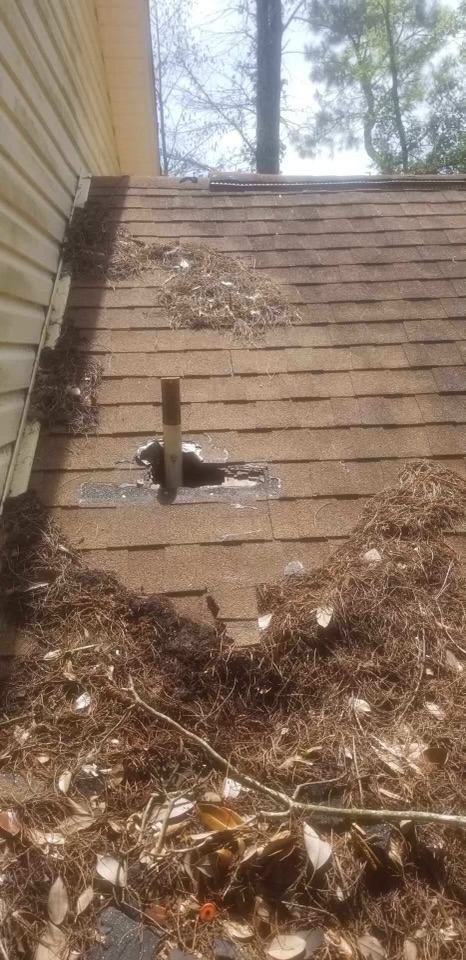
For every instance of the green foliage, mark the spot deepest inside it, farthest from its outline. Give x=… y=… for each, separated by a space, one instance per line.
x=384 y=80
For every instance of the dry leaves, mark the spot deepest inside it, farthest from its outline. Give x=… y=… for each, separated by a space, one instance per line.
x=58 y=903
x=53 y=944
x=85 y=898
x=10 y=822
x=371 y=948
x=286 y=946
x=319 y=851
x=111 y=870
x=216 y=817
x=64 y=781
x=238 y=930
x=452 y=662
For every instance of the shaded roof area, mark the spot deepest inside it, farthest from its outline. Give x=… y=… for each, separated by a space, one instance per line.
x=371 y=375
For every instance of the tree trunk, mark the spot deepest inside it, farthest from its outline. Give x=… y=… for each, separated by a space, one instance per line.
x=269 y=55
x=395 y=91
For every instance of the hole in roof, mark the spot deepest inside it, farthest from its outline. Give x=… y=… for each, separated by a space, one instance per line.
x=196 y=471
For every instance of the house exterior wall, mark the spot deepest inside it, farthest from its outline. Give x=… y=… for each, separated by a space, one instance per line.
x=58 y=120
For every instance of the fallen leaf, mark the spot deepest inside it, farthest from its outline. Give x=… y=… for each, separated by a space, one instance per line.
x=179 y=811
x=397 y=853
x=41 y=838
x=452 y=662
x=277 y=844
x=406 y=826
x=361 y=706
x=216 y=817
x=313 y=939
x=82 y=702
x=264 y=621
x=72 y=825
x=84 y=899
x=262 y=911
x=319 y=851
x=371 y=948
x=341 y=945
x=286 y=946
x=111 y=870
x=53 y=944
x=64 y=781
x=207 y=867
x=409 y=950
x=324 y=616
x=10 y=822
x=189 y=865
x=57 y=903
x=82 y=809
x=435 y=710
x=238 y=930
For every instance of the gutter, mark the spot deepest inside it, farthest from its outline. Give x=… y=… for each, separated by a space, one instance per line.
x=19 y=470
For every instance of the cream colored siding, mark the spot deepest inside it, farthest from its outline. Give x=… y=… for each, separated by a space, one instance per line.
x=56 y=123
x=126 y=45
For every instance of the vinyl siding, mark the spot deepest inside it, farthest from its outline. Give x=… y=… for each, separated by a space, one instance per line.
x=56 y=123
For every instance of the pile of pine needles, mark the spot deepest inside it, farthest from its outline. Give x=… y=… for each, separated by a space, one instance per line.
x=65 y=388
x=353 y=702
x=201 y=289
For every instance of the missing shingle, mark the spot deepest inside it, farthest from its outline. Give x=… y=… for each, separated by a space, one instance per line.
x=198 y=472
x=240 y=485
x=204 y=481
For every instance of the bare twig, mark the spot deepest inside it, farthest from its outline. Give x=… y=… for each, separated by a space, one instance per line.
x=353 y=813
x=164 y=827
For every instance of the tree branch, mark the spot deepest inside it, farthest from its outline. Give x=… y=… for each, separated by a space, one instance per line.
x=395 y=87
x=217 y=109
x=294 y=806
x=293 y=15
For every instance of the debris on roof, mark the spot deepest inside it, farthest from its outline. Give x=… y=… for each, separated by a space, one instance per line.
x=66 y=384
x=343 y=736
x=202 y=289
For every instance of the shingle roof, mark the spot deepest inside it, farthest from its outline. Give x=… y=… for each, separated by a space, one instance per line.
x=371 y=375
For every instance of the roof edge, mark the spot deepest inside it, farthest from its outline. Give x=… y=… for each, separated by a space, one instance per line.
x=255 y=181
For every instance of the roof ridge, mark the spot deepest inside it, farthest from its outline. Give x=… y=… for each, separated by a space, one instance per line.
x=263 y=182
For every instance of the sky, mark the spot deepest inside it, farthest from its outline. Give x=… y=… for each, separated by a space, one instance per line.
x=299 y=95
